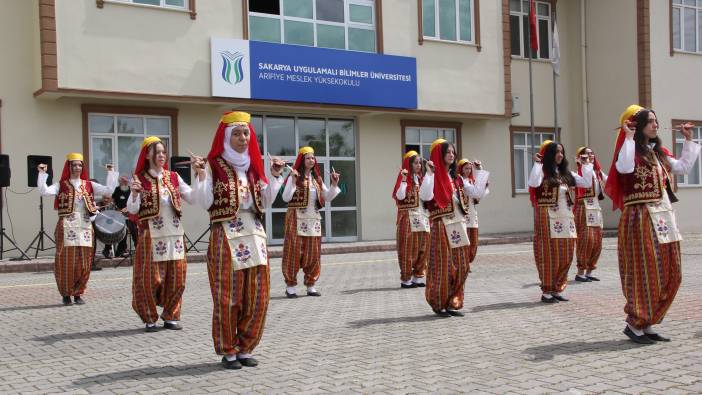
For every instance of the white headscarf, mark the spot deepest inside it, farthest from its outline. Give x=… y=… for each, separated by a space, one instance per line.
x=239 y=161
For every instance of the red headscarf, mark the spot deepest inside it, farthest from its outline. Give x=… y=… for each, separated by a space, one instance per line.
x=407 y=160
x=299 y=164
x=596 y=166
x=232 y=118
x=442 y=181
x=66 y=172
x=542 y=151
x=141 y=164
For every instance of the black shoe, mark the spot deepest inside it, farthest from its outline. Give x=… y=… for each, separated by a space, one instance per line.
x=560 y=298
x=583 y=279
x=248 y=362
x=592 y=278
x=441 y=313
x=95 y=268
x=151 y=328
x=235 y=364
x=176 y=327
x=107 y=254
x=78 y=300
x=289 y=295
x=544 y=299
x=413 y=285
x=67 y=301
x=315 y=293
x=455 y=313
x=420 y=285
x=636 y=338
x=656 y=337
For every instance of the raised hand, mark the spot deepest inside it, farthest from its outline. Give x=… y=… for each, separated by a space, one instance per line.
x=629 y=129
x=403 y=172
x=430 y=166
x=136 y=186
x=686 y=130
x=42 y=168
x=277 y=166
x=537 y=157
x=334 y=177
x=109 y=167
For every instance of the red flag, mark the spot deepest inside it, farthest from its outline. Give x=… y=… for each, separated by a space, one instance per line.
x=532 y=27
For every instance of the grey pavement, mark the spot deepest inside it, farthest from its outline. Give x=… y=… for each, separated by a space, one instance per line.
x=364 y=335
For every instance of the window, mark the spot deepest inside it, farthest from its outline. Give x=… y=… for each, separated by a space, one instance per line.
x=522 y=160
x=177 y=4
x=334 y=143
x=519 y=23
x=687 y=25
x=694 y=178
x=339 y=24
x=420 y=138
x=448 y=20
x=115 y=136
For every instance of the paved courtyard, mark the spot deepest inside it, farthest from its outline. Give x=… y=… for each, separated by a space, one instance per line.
x=363 y=335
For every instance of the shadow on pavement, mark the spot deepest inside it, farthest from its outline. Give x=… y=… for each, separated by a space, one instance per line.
x=699 y=335
x=393 y=320
x=547 y=352
x=37 y=307
x=361 y=290
x=149 y=373
x=87 y=335
x=506 y=306
x=525 y=286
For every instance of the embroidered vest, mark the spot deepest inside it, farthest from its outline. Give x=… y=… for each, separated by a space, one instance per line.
x=586 y=193
x=644 y=184
x=300 y=198
x=437 y=212
x=225 y=188
x=547 y=196
x=150 y=200
x=67 y=195
x=411 y=199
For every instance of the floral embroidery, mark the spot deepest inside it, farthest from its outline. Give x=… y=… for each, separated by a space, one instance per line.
x=591 y=218
x=86 y=236
x=317 y=226
x=416 y=222
x=71 y=217
x=178 y=246
x=264 y=251
x=558 y=226
x=236 y=225
x=571 y=226
x=71 y=235
x=158 y=222
x=243 y=253
x=303 y=227
x=455 y=237
x=662 y=227
x=161 y=248
x=258 y=225
x=176 y=221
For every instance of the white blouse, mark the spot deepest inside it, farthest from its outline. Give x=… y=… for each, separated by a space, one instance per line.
x=327 y=194
x=78 y=204
x=401 y=193
x=626 y=159
x=426 y=190
x=204 y=196
x=134 y=201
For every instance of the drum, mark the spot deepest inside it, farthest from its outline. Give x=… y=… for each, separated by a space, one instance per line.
x=110 y=226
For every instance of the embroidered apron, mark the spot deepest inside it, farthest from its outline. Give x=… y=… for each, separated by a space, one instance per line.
x=561 y=219
x=166 y=235
x=663 y=217
x=455 y=226
x=247 y=240
x=77 y=230
x=593 y=212
x=419 y=219
x=472 y=216
x=309 y=222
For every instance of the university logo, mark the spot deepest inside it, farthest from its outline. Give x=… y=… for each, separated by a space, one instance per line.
x=232 y=70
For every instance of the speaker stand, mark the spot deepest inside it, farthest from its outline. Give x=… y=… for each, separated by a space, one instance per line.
x=4 y=235
x=198 y=240
x=39 y=238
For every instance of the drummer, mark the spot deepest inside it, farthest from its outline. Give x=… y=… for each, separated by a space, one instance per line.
x=75 y=202
x=159 y=264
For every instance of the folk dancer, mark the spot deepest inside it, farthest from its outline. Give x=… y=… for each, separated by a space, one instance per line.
x=465 y=169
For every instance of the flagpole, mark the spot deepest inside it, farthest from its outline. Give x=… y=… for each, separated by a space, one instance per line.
x=555 y=94
x=531 y=84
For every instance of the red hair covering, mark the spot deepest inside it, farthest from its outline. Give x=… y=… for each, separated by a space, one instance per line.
x=442 y=182
x=580 y=192
x=238 y=117
x=407 y=160
x=66 y=172
x=143 y=154
x=299 y=163
x=542 y=151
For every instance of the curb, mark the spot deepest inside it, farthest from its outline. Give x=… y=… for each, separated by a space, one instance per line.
x=47 y=264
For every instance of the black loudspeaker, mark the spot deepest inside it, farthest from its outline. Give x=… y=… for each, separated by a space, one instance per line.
x=32 y=162
x=4 y=171
x=183 y=170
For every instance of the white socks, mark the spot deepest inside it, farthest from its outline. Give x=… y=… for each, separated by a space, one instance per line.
x=649 y=330
x=547 y=295
x=170 y=322
x=311 y=289
x=150 y=325
x=556 y=294
x=408 y=282
x=291 y=290
x=230 y=357
x=637 y=332
x=243 y=355
x=418 y=280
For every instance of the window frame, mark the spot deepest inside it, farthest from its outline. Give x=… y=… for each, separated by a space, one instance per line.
x=410 y=123
x=475 y=25
x=698 y=28
x=376 y=26
x=525 y=130
x=189 y=6
x=551 y=18
x=99 y=109
x=678 y=137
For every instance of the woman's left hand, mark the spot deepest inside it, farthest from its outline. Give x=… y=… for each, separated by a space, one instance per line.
x=277 y=166
x=335 y=178
x=686 y=130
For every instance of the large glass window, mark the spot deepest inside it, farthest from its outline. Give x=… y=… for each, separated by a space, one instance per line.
x=687 y=25
x=420 y=138
x=335 y=148
x=522 y=155
x=117 y=138
x=339 y=24
x=448 y=20
x=519 y=24
x=694 y=178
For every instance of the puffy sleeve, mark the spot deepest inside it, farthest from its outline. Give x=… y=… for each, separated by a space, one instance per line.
x=110 y=184
x=186 y=192
x=584 y=181
x=45 y=190
x=270 y=191
x=289 y=190
x=202 y=194
x=330 y=193
x=688 y=156
x=477 y=190
x=134 y=203
x=426 y=190
x=625 y=160
x=401 y=193
x=536 y=176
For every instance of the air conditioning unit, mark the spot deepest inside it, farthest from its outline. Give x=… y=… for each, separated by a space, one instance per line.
x=515 y=106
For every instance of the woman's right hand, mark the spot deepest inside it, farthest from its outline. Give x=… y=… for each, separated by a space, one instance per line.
x=136 y=186
x=403 y=173
x=42 y=168
x=294 y=174
x=537 y=157
x=430 y=166
x=627 y=126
